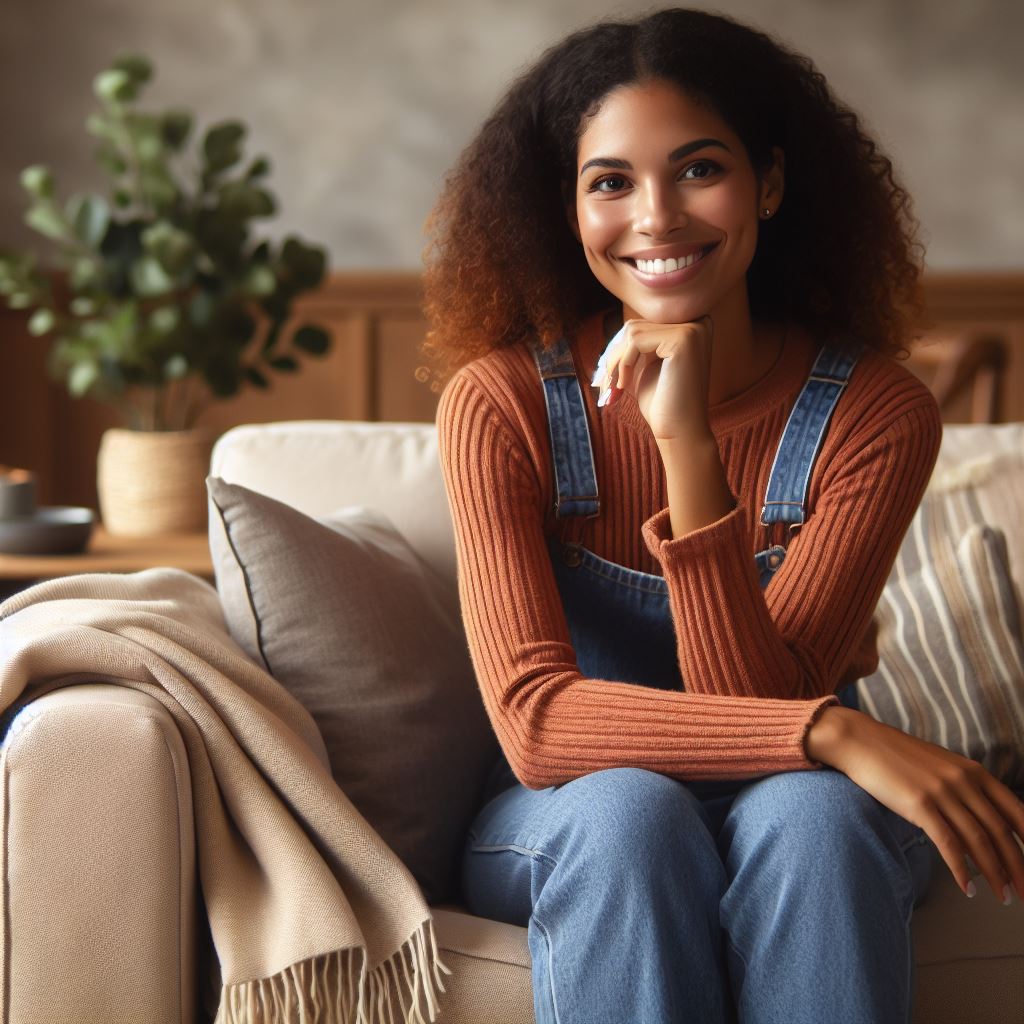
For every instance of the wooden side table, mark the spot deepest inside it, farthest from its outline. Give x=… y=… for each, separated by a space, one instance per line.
x=106 y=553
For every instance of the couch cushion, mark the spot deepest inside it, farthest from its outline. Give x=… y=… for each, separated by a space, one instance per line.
x=345 y=615
x=951 y=657
x=490 y=964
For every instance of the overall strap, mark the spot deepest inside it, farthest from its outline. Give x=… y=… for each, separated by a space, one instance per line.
x=786 y=495
x=571 y=452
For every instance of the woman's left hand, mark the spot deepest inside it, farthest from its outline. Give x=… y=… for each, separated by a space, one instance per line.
x=667 y=367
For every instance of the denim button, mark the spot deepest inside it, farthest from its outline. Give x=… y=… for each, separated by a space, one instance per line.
x=773 y=560
x=571 y=555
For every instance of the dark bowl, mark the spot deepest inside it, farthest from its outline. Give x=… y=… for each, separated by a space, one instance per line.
x=53 y=530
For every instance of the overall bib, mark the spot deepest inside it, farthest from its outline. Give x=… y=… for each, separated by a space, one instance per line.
x=605 y=602
x=652 y=901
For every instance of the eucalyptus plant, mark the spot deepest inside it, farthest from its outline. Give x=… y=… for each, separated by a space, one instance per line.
x=163 y=278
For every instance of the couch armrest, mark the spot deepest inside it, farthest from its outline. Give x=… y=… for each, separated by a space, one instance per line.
x=98 y=859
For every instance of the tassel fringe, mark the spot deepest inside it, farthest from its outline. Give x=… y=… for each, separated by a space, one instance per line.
x=325 y=990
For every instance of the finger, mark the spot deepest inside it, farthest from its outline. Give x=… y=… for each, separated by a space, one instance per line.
x=1007 y=825
x=965 y=813
x=948 y=843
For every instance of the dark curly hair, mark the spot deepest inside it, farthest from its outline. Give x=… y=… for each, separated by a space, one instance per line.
x=841 y=257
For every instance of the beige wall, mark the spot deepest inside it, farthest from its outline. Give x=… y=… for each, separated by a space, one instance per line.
x=363 y=104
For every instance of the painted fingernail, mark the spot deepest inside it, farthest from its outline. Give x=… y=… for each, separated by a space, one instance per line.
x=972 y=889
x=1006 y=896
x=602 y=399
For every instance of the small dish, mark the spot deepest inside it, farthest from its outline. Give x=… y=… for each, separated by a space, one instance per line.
x=50 y=530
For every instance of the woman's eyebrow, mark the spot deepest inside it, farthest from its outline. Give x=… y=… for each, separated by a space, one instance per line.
x=676 y=154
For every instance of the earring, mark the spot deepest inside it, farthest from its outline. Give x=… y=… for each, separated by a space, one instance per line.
x=766 y=212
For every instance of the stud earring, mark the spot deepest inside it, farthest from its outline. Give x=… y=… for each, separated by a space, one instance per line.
x=766 y=212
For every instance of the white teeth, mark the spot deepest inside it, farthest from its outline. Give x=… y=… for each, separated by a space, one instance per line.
x=667 y=266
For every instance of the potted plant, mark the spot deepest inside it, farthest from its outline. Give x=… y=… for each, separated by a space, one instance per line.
x=162 y=300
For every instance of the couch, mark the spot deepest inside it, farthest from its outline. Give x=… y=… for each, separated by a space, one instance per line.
x=115 y=893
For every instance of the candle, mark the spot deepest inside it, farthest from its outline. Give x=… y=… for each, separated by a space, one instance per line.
x=17 y=492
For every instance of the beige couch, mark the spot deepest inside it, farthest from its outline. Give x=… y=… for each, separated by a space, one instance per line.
x=114 y=893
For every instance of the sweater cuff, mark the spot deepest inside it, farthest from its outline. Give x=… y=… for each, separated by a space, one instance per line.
x=826 y=702
x=727 y=531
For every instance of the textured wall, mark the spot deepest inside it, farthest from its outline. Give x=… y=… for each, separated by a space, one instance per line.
x=363 y=104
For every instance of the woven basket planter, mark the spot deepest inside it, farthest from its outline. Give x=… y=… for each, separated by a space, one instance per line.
x=153 y=482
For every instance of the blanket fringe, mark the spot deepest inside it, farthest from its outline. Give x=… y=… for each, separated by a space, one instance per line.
x=325 y=989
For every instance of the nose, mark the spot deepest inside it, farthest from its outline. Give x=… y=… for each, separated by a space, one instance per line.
x=659 y=210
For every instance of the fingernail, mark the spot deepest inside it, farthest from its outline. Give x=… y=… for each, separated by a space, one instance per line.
x=972 y=889
x=1006 y=896
x=602 y=399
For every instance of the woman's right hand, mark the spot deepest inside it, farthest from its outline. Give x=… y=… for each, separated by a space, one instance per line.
x=961 y=806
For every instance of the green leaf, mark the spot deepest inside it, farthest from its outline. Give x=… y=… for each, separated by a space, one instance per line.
x=171 y=246
x=259 y=168
x=259 y=280
x=240 y=200
x=47 y=221
x=149 y=278
x=135 y=65
x=19 y=300
x=285 y=363
x=312 y=339
x=165 y=320
x=81 y=377
x=108 y=156
x=255 y=377
x=222 y=145
x=176 y=367
x=114 y=86
x=83 y=306
x=89 y=217
x=306 y=263
x=122 y=198
x=84 y=274
x=41 y=321
x=176 y=126
x=38 y=181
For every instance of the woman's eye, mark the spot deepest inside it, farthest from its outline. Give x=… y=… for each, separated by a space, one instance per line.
x=709 y=167
x=612 y=184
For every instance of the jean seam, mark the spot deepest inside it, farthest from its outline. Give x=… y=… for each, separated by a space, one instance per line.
x=537 y=854
x=551 y=965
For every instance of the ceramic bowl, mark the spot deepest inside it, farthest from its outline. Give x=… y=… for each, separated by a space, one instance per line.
x=52 y=530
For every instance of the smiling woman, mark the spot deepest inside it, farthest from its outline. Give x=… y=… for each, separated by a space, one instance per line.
x=668 y=588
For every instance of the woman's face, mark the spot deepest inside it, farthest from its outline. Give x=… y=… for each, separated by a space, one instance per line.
x=660 y=179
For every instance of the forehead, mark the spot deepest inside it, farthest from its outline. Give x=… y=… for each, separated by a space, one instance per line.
x=653 y=115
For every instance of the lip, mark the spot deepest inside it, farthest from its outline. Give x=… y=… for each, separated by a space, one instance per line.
x=673 y=278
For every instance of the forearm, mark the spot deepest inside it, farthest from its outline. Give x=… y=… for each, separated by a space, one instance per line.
x=698 y=491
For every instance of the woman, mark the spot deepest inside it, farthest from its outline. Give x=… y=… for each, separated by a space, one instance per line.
x=665 y=584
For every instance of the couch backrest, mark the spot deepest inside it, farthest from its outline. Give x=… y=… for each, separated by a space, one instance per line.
x=320 y=465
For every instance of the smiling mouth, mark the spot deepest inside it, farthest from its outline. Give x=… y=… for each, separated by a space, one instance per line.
x=668 y=266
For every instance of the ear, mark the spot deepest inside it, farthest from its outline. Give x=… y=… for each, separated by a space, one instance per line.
x=773 y=182
x=569 y=204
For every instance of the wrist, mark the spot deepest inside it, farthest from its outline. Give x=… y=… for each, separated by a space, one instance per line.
x=831 y=733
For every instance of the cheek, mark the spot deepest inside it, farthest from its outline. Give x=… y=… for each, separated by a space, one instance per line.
x=600 y=225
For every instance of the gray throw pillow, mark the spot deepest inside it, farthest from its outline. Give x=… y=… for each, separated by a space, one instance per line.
x=345 y=614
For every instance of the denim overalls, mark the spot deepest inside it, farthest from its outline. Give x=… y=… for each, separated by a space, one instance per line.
x=645 y=899
x=604 y=601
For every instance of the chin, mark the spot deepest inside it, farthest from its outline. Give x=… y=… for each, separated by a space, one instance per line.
x=667 y=310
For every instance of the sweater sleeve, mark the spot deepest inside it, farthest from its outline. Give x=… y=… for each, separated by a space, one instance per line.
x=794 y=638
x=553 y=723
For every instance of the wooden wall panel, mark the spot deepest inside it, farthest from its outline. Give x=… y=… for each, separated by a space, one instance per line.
x=375 y=372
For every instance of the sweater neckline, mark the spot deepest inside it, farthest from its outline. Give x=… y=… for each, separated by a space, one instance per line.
x=778 y=385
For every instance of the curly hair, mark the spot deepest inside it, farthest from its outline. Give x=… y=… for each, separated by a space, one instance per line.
x=840 y=258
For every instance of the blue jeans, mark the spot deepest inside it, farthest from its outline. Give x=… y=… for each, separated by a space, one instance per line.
x=787 y=901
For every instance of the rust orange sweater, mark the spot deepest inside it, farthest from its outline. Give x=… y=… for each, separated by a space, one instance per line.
x=758 y=665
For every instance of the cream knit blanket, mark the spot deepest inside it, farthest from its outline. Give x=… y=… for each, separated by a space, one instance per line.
x=313 y=917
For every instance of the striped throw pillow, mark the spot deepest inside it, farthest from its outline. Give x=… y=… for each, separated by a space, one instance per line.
x=951 y=654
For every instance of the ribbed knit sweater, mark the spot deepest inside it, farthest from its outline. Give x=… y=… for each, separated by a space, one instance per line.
x=758 y=665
